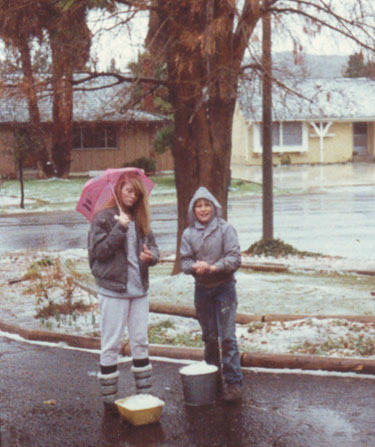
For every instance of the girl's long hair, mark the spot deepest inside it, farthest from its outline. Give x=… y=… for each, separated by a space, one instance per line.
x=141 y=210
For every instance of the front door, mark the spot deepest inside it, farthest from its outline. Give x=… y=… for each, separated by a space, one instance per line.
x=360 y=140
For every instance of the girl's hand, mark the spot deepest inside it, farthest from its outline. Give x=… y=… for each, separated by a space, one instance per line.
x=145 y=255
x=123 y=218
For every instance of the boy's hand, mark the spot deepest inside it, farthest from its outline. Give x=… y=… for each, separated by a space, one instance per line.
x=201 y=267
x=145 y=255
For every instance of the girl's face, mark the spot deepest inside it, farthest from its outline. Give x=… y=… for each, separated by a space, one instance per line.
x=129 y=195
x=203 y=211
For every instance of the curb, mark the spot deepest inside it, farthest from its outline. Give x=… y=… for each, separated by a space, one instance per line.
x=253 y=360
x=77 y=341
x=308 y=362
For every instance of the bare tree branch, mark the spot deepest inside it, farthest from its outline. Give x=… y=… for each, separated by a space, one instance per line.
x=324 y=13
x=120 y=80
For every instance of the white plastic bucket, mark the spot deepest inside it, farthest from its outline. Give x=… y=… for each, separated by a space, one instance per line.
x=199 y=382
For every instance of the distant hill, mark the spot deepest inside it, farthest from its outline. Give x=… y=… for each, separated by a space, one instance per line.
x=311 y=66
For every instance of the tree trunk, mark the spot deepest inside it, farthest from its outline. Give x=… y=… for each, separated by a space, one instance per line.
x=70 y=40
x=20 y=173
x=202 y=158
x=32 y=101
x=203 y=56
x=62 y=112
x=62 y=127
x=203 y=112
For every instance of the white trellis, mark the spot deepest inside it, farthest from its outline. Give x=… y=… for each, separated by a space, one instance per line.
x=321 y=129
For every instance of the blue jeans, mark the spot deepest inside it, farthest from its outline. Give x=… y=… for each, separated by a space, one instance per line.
x=216 y=311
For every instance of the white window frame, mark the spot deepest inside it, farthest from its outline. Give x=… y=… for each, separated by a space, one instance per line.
x=257 y=146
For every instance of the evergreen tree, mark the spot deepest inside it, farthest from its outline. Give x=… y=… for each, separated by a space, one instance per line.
x=358 y=68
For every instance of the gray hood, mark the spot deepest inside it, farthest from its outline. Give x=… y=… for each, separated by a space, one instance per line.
x=203 y=193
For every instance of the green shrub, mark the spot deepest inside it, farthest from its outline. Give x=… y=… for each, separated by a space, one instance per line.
x=148 y=164
x=275 y=248
x=164 y=139
x=285 y=160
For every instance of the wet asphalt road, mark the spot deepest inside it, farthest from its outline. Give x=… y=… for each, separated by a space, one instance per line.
x=278 y=410
x=339 y=222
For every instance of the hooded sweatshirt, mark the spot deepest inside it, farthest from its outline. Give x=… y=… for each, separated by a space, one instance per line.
x=216 y=243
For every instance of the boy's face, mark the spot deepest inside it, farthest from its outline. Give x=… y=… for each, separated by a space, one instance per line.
x=203 y=211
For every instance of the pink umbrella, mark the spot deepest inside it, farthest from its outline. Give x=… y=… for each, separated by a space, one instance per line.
x=99 y=190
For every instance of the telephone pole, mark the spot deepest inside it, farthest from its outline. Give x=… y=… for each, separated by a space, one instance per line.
x=267 y=124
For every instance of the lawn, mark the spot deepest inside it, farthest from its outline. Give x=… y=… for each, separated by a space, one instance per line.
x=259 y=293
x=61 y=194
x=47 y=297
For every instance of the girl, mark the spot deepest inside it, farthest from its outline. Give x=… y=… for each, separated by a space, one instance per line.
x=121 y=247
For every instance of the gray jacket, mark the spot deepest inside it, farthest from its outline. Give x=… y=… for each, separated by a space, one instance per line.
x=217 y=243
x=107 y=247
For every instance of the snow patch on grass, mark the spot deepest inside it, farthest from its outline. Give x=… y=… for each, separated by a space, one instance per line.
x=310 y=293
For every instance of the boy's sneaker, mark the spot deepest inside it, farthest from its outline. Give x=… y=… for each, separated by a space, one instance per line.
x=232 y=393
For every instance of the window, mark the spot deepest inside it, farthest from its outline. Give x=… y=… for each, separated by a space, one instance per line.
x=292 y=134
x=95 y=137
x=275 y=134
x=286 y=137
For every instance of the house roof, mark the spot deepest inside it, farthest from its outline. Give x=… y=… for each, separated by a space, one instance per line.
x=336 y=99
x=102 y=104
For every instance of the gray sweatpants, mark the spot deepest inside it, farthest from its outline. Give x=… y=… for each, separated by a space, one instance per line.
x=115 y=315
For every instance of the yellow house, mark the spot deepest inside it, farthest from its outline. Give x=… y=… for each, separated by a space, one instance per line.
x=314 y=121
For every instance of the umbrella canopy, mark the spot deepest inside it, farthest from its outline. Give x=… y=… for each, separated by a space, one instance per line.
x=99 y=190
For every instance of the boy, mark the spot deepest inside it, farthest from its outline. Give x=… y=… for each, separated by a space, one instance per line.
x=211 y=253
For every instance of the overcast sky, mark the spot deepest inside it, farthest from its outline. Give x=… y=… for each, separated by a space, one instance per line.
x=118 y=42
x=123 y=44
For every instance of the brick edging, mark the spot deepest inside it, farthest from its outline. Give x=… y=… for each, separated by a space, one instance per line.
x=190 y=312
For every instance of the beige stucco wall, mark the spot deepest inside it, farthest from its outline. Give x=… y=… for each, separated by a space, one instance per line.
x=337 y=145
x=239 y=138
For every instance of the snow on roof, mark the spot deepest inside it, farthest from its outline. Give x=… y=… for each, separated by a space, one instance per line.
x=100 y=104
x=338 y=99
